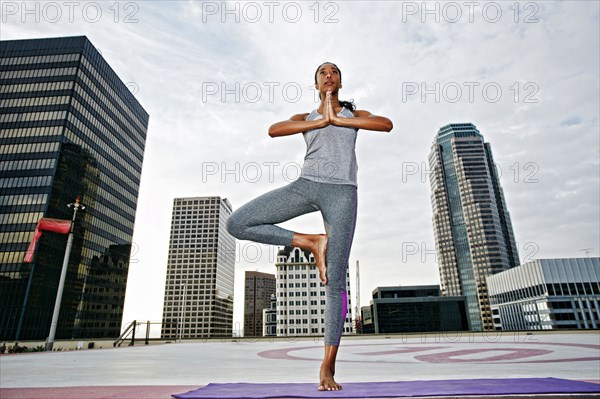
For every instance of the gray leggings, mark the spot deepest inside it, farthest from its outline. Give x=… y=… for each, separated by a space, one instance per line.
x=255 y=221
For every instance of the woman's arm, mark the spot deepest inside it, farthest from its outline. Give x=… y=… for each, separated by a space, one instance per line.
x=296 y=124
x=362 y=120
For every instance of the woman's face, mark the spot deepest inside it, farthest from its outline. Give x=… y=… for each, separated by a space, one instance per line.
x=328 y=79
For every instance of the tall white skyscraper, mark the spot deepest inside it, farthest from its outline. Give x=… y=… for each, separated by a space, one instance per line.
x=200 y=270
x=300 y=295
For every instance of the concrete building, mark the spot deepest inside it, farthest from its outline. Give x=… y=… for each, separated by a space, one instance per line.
x=301 y=296
x=472 y=227
x=258 y=289
x=547 y=294
x=413 y=309
x=270 y=318
x=200 y=270
x=69 y=127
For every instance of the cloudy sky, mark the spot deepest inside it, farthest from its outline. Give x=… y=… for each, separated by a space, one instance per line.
x=215 y=75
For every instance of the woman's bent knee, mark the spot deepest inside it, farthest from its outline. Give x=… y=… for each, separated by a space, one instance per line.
x=234 y=227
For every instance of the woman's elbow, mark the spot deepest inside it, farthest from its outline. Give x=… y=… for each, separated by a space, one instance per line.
x=273 y=132
x=388 y=126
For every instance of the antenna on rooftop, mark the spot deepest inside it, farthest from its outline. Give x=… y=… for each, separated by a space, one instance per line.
x=357 y=315
x=587 y=251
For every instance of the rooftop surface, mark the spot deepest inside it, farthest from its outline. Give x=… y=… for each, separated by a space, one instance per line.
x=159 y=370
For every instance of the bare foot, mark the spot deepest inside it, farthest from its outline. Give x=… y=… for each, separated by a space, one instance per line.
x=320 y=254
x=327 y=382
x=317 y=245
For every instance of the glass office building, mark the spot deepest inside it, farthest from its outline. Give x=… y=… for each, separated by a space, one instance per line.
x=472 y=227
x=547 y=294
x=413 y=309
x=69 y=128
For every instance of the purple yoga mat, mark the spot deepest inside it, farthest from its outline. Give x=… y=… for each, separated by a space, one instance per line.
x=503 y=386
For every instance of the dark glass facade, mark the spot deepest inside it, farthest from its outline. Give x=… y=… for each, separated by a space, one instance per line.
x=69 y=127
x=472 y=226
x=413 y=309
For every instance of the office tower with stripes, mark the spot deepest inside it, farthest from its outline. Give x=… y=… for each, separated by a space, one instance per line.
x=69 y=127
x=472 y=227
x=198 y=300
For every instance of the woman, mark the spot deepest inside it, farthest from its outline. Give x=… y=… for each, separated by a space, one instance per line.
x=328 y=184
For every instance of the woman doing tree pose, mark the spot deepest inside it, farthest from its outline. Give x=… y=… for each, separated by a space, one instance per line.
x=328 y=184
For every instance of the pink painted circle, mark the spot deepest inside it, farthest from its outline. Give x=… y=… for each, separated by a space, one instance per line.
x=448 y=353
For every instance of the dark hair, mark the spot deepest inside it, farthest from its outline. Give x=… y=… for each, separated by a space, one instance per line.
x=346 y=104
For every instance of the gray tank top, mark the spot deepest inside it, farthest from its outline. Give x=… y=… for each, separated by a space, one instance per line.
x=330 y=152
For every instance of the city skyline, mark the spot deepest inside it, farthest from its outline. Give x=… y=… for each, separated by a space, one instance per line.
x=212 y=87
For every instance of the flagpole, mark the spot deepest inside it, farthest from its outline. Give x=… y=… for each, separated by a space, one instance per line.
x=63 y=275
x=17 y=335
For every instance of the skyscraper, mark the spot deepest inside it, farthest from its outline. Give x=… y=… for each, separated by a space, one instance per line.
x=473 y=232
x=257 y=296
x=69 y=127
x=200 y=270
x=300 y=295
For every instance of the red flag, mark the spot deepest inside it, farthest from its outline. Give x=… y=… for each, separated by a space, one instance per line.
x=47 y=224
